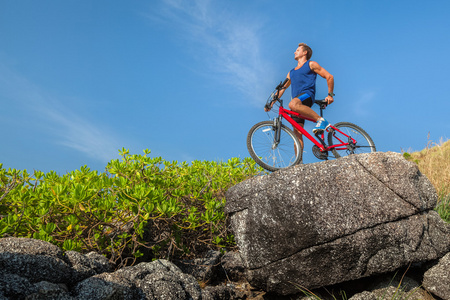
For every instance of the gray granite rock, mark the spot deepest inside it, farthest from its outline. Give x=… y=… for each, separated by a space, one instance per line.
x=15 y=286
x=324 y=223
x=162 y=279
x=50 y=291
x=233 y=266
x=35 y=260
x=437 y=279
x=109 y=286
x=203 y=269
x=87 y=265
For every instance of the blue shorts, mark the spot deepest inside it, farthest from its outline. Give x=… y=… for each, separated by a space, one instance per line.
x=303 y=97
x=306 y=100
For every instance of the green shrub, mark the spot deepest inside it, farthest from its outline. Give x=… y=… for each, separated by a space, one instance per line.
x=443 y=207
x=139 y=206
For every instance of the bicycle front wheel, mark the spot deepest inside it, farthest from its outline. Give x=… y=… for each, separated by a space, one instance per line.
x=267 y=153
x=349 y=139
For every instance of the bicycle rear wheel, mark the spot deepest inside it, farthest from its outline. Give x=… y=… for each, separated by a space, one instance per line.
x=272 y=157
x=353 y=139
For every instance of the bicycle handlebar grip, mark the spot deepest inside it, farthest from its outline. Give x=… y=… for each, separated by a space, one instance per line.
x=280 y=86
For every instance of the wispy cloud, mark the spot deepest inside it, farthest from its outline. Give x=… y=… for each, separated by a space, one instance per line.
x=363 y=106
x=81 y=134
x=63 y=125
x=229 y=44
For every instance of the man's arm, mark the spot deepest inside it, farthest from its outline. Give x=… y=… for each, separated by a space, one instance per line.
x=325 y=74
x=281 y=92
x=288 y=83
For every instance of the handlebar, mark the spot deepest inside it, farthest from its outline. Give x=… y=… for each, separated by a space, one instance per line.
x=274 y=96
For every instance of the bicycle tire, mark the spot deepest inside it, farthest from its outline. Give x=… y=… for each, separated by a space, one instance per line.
x=364 y=143
x=260 y=146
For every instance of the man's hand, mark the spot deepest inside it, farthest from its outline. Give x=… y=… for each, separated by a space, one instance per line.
x=268 y=107
x=329 y=100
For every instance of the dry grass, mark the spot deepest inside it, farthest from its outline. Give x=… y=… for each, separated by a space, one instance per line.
x=434 y=162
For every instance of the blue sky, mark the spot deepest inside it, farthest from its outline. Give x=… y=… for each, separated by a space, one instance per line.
x=187 y=79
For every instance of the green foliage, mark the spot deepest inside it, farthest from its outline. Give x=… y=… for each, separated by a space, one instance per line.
x=409 y=157
x=443 y=207
x=141 y=206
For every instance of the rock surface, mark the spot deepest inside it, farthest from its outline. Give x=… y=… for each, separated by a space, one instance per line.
x=320 y=224
x=163 y=280
x=34 y=269
x=34 y=259
x=394 y=288
x=437 y=279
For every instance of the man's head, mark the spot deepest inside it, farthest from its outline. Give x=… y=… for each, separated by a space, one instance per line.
x=306 y=48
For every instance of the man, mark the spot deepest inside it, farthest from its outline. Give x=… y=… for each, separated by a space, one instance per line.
x=302 y=80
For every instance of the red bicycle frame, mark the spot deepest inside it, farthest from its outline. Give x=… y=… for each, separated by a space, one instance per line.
x=285 y=113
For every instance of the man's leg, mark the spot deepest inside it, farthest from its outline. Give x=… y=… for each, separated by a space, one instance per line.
x=297 y=106
x=299 y=135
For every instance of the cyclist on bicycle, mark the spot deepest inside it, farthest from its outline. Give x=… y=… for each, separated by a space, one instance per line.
x=302 y=80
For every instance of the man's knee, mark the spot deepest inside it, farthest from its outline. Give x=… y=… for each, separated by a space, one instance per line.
x=291 y=105
x=294 y=102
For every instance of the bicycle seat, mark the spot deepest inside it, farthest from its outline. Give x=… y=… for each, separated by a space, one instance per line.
x=322 y=103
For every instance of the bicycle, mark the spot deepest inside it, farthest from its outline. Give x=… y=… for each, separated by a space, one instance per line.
x=274 y=146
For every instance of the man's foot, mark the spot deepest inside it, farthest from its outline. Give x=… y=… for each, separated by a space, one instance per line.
x=321 y=125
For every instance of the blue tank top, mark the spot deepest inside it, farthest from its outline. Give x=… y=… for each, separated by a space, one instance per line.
x=303 y=80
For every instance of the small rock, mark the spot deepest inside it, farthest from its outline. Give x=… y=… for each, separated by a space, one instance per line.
x=437 y=279
x=233 y=266
x=15 y=286
x=203 y=269
x=50 y=291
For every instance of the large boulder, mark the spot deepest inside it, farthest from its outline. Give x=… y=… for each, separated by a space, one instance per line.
x=319 y=224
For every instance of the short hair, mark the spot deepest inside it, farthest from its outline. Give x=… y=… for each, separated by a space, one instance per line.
x=307 y=49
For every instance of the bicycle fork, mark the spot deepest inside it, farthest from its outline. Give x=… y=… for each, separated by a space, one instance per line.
x=277 y=128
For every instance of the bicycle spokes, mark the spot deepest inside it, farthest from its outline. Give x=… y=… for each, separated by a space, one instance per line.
x=270 y=152
x=347 y=138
